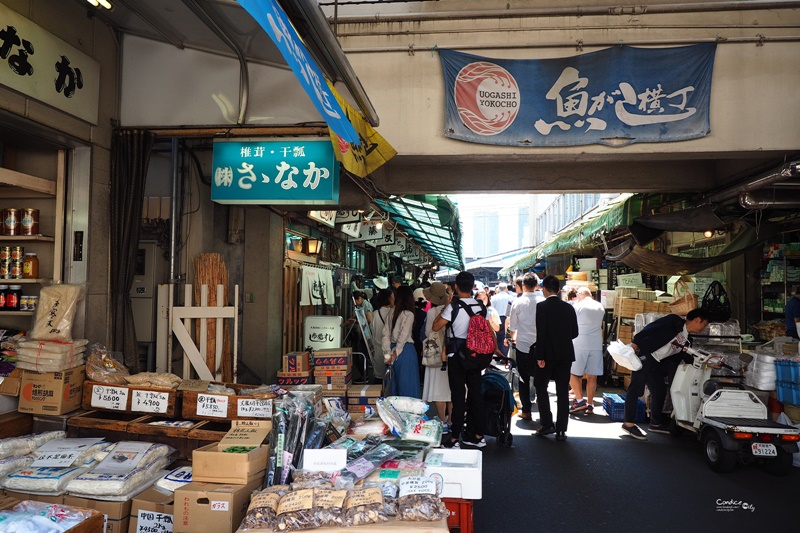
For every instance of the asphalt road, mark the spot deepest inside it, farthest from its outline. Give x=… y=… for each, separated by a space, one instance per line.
x=599 y=480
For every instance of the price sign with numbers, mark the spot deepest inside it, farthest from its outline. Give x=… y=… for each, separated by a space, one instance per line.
x=151 y=522
x=212 y=405
x=114 y=398
x=254 y=408
x=145 y=401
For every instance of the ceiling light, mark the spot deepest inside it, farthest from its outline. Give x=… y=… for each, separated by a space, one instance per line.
x=104 y=3
x=708 y=234
x=379 y=225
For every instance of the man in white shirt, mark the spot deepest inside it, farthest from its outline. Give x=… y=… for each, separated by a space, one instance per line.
x=501 y=302
x=588 y=349
x=522 y=325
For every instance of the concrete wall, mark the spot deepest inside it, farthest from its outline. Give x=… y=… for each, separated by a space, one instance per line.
x=69 y=21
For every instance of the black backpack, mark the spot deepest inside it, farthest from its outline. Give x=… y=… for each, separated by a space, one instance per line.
x=716 y=303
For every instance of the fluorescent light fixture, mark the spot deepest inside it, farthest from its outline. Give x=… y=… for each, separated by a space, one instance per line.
x=104 y=3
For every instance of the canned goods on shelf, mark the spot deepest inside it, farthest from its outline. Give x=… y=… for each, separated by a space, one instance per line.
x=5 y=267
x=17 y=253
x=12 y=297
x=10 y=221
x=29 y=223
x=5 y=253
x=15 y=269
x=3 y=294
x=23 y=303
x=33 y=302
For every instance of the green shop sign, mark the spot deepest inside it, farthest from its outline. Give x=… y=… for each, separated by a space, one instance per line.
x=285 y=171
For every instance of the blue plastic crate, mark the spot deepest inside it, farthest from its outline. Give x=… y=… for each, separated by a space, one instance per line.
x=614 y=406
x=787 y=370
x=788 y=392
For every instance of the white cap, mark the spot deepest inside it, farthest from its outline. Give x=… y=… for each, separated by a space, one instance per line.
x=419 y=294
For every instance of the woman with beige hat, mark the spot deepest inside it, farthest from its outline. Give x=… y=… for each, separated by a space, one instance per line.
x=435 y=386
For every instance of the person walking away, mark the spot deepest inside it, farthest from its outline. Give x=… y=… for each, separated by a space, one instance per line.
x=501 y=301
x=659 y=347
x=556 y=326
x=462 y=379
x=385 y=303
x=435 y=386
x=793 y=315
x=522 y=325
x=398 y=343
x=588 y=349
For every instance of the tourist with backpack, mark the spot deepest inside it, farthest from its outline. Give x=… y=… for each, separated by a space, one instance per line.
x=470 y=345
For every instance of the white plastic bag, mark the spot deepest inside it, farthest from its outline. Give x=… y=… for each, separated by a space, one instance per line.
x=624 y=355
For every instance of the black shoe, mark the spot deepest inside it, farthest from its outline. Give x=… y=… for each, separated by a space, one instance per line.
x=561 y=436
x=545 y=430
x=634 y=432
x=658 y=428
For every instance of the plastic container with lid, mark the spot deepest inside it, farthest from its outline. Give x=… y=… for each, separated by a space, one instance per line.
x=30 y=266
x=13 y=296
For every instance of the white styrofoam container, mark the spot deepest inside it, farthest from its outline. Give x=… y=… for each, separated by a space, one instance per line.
x=459 y=472
x=607 y=299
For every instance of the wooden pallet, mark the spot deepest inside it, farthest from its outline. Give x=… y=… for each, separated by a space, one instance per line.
x=131 y=398
x=112 y=425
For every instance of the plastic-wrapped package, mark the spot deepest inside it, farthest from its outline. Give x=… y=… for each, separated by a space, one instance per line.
x=429 y=431
x=363 y=466
x=391 y=417
x=407 y=404
x=382 y=475
x=329 y=507
x=44 y=366
x=10 y=464
x=175 y=479
x=50 y=356
x=116 y=487
x=315 y=435
x=419 y=500
x=103 y=368
x=365 y=506
x=372 y=426
x=55 y=312
x=30 y=516
x=18 y=446
x=275 y=461
x=87 y=454
x=761 y=373
x=296 y=511
x=53 y=347
x=156 y=380
x=264 y=392
x=215 y=388
x=263 y=508
x=44 y=479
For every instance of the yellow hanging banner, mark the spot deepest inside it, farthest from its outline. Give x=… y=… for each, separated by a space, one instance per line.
x=373 y=150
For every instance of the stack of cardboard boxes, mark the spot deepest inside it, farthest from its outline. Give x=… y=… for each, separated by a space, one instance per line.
x=296 y=369
x=361 y=397
x=333 y=370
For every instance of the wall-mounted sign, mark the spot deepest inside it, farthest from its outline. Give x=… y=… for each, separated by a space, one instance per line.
x=388 y=237
x=352 y=229
x=368 y=230
x=400 y=242
x=347 y=217
x=274 y=172
x=325 y=217
x=40 y=65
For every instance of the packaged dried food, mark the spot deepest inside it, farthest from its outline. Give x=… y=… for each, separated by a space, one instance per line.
x=103 y=368
x=296 y=511
x=363 y=466
x=32 y=516
x=419 y=500
x=44 y=479
x=365 y=506
x=389 y=489
x=175 y=479
x=18 y=446
x=54 y=315
x=263 y=509
x=329 y=506
x=156 y=380
x=407 y=404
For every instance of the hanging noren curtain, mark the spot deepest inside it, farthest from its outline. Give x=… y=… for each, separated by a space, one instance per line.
x=130 y=156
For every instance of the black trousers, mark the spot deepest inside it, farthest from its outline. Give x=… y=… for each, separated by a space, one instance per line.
x=465 y=393
x=558 y=371
x=654 y=374
x=501 y=336
x=525 y=364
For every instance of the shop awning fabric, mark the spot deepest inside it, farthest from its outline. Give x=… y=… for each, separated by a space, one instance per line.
x=432 y=222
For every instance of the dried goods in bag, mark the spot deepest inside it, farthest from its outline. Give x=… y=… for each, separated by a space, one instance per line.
x=365 y=506
x=296 y=511
x=419 y=500
x=56 y=311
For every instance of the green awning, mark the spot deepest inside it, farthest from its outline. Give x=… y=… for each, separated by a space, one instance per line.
x=432 y=222
x=585 y=231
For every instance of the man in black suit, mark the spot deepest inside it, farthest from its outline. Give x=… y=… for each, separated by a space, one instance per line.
x=556 y=326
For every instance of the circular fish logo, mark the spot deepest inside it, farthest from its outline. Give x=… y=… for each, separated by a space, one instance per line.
x=487 y=97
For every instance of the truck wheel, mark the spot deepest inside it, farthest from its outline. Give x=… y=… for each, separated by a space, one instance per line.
x=780 y=465
x=717 y=457
x=674 y=429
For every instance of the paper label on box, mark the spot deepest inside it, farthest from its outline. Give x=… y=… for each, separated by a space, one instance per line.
x=212 y=405
x=330 y=499
x=197 y=385
x=219 y=505
x=245 y=433
x=62 y=452
x=417 y=485
x=146 y=401
x=324 y=460
x=105 y=397
x=296 y=501
x=123 y=459
x=254 y=408
x=364 y=497
x=152 y=522
x=268 y=499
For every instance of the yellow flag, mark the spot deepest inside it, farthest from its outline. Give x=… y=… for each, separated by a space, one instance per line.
x=364 y=158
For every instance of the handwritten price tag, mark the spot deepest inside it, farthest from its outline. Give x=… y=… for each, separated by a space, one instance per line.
x=114 y=398
x=255 y=408
x=154 y=522
x=145 y=401
x=57 y=458
x=212 y=405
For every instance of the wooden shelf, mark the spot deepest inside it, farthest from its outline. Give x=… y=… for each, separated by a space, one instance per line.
x=27 y=182
x=17 y=313
x=27 y=238
x=24 y=281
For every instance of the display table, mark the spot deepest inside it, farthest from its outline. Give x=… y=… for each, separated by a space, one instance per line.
x=392 y=526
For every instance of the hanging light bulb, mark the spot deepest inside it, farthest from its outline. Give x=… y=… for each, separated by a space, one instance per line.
x=708 y=234
x=379 y=225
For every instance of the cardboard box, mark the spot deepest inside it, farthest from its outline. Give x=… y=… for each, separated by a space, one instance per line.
x=296 y=362
x=607 y=299
x=52 y=393
x=35 y=497
x=340 y=358
x=210 y=507
x=363 y=394
x=459 y=472
x=116 y=514
x=153 y=506
x=10 y=385
x=210 y=464
x=295 y=378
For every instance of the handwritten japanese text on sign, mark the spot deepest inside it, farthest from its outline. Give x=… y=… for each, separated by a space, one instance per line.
x=113 y=398
x=145 y=401
x=212 y=405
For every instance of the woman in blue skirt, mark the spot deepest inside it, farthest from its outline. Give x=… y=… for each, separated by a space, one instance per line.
x=399 y=344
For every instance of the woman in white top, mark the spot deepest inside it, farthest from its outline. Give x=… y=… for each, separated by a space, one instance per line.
x=385 y=304
x=435 y=386
x=492 y=315
x=398 y=343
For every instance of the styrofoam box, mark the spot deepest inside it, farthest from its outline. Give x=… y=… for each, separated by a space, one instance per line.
x=607 y=299
x=459 y=472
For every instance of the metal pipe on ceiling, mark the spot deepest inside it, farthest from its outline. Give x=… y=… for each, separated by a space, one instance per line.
x=220 y=31
x=769 y=199
x=771 y=177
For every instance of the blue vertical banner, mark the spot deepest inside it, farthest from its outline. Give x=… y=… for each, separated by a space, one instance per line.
x=616 y=96
x=271 y=17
